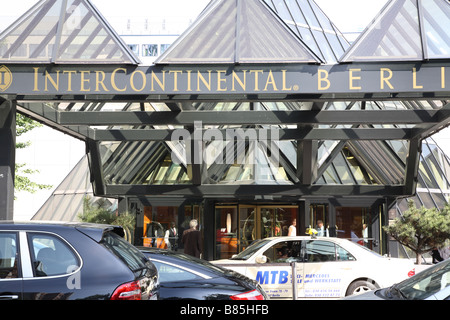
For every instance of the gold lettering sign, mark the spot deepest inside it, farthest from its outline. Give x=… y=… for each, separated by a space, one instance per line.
x=311 y=79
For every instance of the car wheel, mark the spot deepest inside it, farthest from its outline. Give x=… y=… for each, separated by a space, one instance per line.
x=360 y=286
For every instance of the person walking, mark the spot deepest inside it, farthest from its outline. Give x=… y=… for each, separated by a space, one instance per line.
x=191 y=240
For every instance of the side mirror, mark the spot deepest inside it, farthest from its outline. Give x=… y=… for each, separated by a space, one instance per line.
x=234 y=256
x=261 y=259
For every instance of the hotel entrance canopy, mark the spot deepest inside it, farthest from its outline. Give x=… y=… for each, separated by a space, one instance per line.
x=349 y=120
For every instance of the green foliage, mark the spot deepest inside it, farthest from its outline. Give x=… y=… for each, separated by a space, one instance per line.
x=22 y=181
x=97 y=212
x=421 y=229
x=25 y=124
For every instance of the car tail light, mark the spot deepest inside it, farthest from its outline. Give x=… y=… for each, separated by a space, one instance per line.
x=127 y=291
x=412 y=272
x=251 y=295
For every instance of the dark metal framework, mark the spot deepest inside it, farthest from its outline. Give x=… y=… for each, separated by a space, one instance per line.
x=116 y=125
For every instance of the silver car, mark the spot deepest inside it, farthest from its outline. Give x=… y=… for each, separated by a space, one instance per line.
x=431 y=284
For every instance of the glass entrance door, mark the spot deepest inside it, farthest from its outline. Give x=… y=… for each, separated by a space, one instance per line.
x=276 y=220
x=247 y=226
x=237 y=226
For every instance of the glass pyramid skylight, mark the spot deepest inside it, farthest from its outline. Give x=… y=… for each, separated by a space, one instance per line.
x=310 y=23
x=405 y=30
x=63 y=31
x=243 y=31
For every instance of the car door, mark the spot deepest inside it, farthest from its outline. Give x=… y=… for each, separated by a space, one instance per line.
x=326 y=268
x=10 y=273
x=275 y=276
x=54 y=266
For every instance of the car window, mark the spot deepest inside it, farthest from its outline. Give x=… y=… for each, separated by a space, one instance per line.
x=344 y=255
x=320 y=251
x=8 y=255
x=171 y=273
x=130 y=255
x=426 y=283
x=51 y=255
x=251 y=250
x=285 y=251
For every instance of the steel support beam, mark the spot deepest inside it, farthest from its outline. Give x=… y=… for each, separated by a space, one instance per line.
x=307 y=161
x=353 y=117
x=342 y=134
x=412 y=166
x=235 y=191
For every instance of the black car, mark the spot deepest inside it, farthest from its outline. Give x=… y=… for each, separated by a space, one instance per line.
x=62 y=261
x=185 y=277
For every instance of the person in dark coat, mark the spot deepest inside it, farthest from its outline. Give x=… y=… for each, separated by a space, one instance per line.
x=192 y=240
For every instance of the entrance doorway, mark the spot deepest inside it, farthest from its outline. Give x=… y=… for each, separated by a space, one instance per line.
x=238 y=225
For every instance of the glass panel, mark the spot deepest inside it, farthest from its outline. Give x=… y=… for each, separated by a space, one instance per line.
x=134 y=48
x=324 y=46
x=319 y=219
x=262 y=37
x=164 y=47
x=84 y=36
x=351 y=223
x=394 y=35
x=308 y=38
x=275 y=221
x=226 y=232
x=134 y=259
x=211 y=40
x=436 y=15
x=342 y=169
x=51 y=256
x=359 y=173
x=282 y=10
x=320 y=251
x=170 y=273
x=335 y=44
x=8 y=256
x=426 y=199
x=330 y=176
x=150 y=50
x=324 y=22
x=285 y=252
x=308 y=13
x=247 y=226
x=295 y=11
x=161 y=227
x=344 y=255
x=425 y=170
x=265 y=39
x=33 y=38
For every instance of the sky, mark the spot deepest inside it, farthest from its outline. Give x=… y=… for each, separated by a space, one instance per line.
x=348 y=15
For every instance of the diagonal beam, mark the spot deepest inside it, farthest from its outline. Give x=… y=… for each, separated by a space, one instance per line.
x=443 y=121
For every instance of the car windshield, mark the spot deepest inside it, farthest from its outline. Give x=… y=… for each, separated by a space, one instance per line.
x=424 y=284
x=250 y=250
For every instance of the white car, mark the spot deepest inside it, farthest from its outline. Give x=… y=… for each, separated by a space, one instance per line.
x=323 y=267
x=432 y=283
